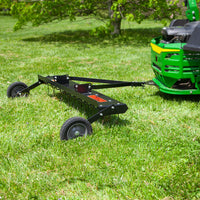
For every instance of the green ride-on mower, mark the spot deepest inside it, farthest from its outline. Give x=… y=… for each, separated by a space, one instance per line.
x=175 y=55
x=175 y=61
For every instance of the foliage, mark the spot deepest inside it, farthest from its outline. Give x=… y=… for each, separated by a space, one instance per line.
x=38 y=11
x=102 y=30
x=5 y=6
x=150 y=152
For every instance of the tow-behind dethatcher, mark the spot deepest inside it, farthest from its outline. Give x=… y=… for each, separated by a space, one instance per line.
x=175 y=61
x=77 y=126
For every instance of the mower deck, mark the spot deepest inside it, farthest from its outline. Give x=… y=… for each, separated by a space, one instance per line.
x=163 y=88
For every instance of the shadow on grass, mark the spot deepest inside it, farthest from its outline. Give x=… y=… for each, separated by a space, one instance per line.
x=178 y=98
x=99 y=186
x=138 y=36
x=89 y=110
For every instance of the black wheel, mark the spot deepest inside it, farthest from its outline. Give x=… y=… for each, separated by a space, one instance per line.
x=15 y=88
x=75 y=127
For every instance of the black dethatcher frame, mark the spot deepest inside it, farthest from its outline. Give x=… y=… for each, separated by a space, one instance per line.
x=86 y=93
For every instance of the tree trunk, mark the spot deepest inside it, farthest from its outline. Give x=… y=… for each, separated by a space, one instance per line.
x=116 y=23
x=115 y=20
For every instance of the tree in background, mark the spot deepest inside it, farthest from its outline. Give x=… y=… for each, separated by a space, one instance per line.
x=5 y=5
x=43 y=11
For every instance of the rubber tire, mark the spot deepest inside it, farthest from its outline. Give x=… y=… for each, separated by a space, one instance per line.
x=16 y=87
x=75 y=124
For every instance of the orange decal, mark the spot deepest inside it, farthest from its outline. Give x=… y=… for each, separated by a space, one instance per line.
x=99 y=99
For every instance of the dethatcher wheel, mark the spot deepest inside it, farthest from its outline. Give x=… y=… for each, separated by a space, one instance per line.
x=15 y=88
x=75 y=127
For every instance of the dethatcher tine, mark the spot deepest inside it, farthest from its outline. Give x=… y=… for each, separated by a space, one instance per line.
x=175 y=60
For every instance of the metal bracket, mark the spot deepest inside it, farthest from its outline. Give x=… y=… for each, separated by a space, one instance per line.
x=106 y=111
x=151 y=82
x=31 y=87
x=83 y=88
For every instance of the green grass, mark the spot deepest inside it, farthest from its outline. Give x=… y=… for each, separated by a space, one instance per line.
x=151 y=152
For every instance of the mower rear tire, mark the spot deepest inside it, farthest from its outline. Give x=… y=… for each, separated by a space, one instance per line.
x=15 y=88
x=75 y=127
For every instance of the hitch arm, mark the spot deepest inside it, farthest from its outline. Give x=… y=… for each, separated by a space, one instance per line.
x=107 y=83
x=31 y=87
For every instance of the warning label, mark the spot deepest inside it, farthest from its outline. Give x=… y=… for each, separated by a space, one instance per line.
x=99 y=99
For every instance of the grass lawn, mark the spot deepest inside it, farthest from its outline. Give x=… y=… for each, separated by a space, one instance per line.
x=151 y=152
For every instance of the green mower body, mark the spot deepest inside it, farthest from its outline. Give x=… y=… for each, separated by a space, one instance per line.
x=177 y=71
x=175 y=56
